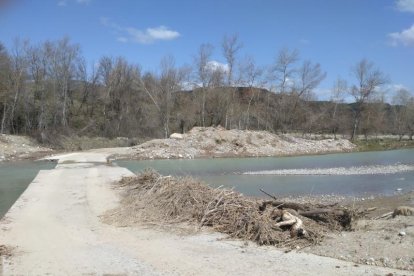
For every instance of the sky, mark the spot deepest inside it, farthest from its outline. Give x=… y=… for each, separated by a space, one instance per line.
x=337 y=34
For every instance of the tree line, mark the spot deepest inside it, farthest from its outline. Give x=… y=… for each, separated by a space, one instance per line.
x=49 y=89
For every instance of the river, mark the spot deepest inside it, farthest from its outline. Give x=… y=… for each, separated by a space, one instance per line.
x=14 y=179
x=228 y=172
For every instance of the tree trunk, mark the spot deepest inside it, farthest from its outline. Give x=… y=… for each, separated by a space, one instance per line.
x=355 y=128
x=3 y=119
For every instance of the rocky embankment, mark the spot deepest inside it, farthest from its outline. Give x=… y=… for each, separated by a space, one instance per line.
x=14 y=147
x=219 y=142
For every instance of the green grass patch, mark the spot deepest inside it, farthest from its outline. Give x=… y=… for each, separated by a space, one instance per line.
x=383 y=144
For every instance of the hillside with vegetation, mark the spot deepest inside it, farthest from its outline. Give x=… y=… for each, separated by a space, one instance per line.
x=48 y=91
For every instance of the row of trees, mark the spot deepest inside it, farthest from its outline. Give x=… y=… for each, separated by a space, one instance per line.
x=49 y=88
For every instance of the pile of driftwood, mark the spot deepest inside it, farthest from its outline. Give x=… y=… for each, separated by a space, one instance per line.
x=153 y=198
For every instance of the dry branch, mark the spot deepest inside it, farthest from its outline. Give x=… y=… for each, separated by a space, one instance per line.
x=152 y=198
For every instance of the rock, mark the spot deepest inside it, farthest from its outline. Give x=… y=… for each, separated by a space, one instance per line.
x=402 y=234
x=177 y=136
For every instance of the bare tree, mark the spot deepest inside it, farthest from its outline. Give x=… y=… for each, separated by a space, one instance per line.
x=282 y=71
x=250 y=75
x=203 y=75
x=17 y=77
x=231 y=46
x=37 y=69
x=338 y=92
x=281 y=75
x=89 y=87
x=410 y=118
x=401 y=101
x=170 y=81
x=4 y=73
x=64 y=58
x=309 y=77
x=369 y=79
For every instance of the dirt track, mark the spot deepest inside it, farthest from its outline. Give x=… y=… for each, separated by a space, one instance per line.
x=54 y=228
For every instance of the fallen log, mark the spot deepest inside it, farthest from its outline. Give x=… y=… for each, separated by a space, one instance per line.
x=344 y=217
x=282 y=205
x=326 y=214
x=294 y=222
x=403 y=211
x=318 y=212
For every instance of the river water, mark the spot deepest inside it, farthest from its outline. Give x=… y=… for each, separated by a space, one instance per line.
x=228 y=172
x=14 y=179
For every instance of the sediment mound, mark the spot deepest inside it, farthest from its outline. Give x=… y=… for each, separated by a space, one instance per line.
x=19 y=147
x=165 y=200
x=219 y=142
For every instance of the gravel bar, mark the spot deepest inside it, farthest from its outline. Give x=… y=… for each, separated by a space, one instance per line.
x=362 y=170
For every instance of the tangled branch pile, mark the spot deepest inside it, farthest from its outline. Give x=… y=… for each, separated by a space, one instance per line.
x=151 y=197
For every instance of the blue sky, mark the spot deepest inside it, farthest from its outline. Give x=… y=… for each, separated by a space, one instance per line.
x=337 y=34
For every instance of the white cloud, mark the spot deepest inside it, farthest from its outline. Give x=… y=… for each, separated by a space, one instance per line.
x=394 y=87
x=214 y=65
x=147 y=36
x=405 y=5
x=405 y=37
x=162 y=33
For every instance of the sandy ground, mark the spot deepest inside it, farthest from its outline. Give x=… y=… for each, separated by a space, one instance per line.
x=55 y=228
x=375 y=241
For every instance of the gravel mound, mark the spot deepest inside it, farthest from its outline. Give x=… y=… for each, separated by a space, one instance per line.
x=219 y=142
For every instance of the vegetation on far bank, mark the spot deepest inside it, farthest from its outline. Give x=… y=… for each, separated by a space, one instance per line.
x=48 y=90
x=380 y=144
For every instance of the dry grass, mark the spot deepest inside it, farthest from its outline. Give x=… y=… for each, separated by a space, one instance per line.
x=153 y=198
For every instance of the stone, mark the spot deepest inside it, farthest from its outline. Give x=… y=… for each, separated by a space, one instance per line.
x=402 y=234
x=177 y=136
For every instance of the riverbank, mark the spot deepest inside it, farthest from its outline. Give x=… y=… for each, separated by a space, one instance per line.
x=209 y=142
x=386 y=241
x=57 y=229
x=15 y=147
x=383 y=143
